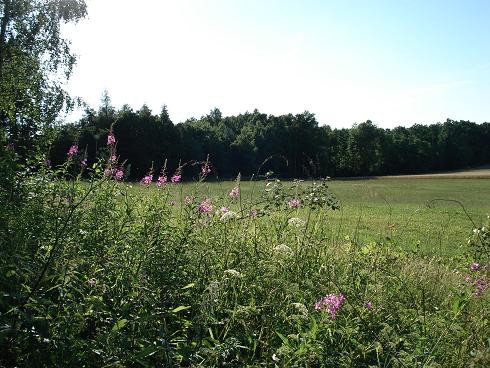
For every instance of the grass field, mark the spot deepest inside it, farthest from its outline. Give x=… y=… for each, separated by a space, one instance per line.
x=400 y=209
x=204 y=274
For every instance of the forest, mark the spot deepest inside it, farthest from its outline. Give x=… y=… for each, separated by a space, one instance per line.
x=293 y=146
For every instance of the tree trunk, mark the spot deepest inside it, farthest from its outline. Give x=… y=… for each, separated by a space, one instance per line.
x=3 y=31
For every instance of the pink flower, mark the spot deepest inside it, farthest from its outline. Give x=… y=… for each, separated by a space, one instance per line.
x=205 y=206
x=253 y=213
x=330 y=303
x=84 y=162
x=176 y=178
x=108 y=172
x=235 y=193
x=73 y=150
x=368 y=304
x=294 y=203
x=481 y=286
x=205 y=169
x=119 y=175
x=111 y=140
x=474 y=266
x=224 y=210
x=147 y=179
x=162 y=180
x=113 y=158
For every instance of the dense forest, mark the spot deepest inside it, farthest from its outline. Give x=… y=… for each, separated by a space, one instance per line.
x=293 y=146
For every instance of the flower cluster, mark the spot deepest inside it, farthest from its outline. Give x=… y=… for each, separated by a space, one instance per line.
x=111 y=140
x=162 y=180
x=176 y=177
x=147 y=179
x=205 y=169
x=235 y=193
x=73 y=150
x=330 y=303
x=205 y=206
x=294 y=203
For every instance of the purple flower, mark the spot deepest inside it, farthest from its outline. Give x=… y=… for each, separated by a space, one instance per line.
x=205 y=206
x=73 y=150
x=113 y=158
x=481 y=286
x=176 y=178
x=368 y=304
x=474 y=266
x=162 y=180
x=147 y=179
x=111 y=140
x=235 y=193
x=119 y=175
x=294 y=203
x=330 y=303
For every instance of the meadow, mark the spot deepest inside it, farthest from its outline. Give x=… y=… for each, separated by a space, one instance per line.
x=364 y=273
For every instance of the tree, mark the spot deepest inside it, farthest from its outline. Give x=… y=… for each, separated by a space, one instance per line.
x=35 y=60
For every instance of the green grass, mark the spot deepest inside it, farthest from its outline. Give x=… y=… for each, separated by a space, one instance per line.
x=397 y=210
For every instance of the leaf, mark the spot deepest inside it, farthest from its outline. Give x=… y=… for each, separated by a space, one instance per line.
x=283 y=338
x=188 y=286
x=180 y=308
x=119 y=324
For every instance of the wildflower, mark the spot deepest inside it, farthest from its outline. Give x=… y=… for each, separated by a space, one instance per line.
x=235 y=193
x=481 y=286
x=474 y=266
x=73 y=150
x=188 y=200
x=147 y=179
x=296 y=222
x=233 y=273
x=294 y=203
x=111 y=140
x=84 y=162
x=253 y=213
x=330 y=303
x=119 y=175
x=223 y=210
x=113 y=158
x=176 y=178
x=92 y=281
x=205 y=206
x=368 y=304
x=108 y=172
x=227 y=216
x=468 y=279
x=275 y=358
x=282 y=248
x=300 y=308
x=162 y=180
x=205 y=169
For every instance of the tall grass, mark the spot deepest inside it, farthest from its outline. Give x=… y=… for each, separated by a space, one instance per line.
x=94 y=273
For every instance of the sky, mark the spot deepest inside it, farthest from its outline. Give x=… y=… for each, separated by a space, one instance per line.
x=392 y=62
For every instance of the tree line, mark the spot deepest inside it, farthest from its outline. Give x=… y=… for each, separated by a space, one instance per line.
x=291 y=146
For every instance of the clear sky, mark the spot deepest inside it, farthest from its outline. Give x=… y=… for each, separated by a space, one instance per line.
x=394 y=62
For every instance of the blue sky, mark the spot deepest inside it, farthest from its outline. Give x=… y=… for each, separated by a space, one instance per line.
x=393 y=62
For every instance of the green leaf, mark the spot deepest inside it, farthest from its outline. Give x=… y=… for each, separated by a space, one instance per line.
x=283 y=338
x=188 y=286
x=180 y=308
x=119 y=324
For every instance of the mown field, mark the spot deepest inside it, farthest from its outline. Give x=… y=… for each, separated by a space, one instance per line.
x=102 y=273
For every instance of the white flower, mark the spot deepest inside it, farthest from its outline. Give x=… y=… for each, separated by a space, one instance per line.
x=300 y=308
x=230 y=215
x=296 y=222
x=233 y=273
x=282 y=248
x=275 y=357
